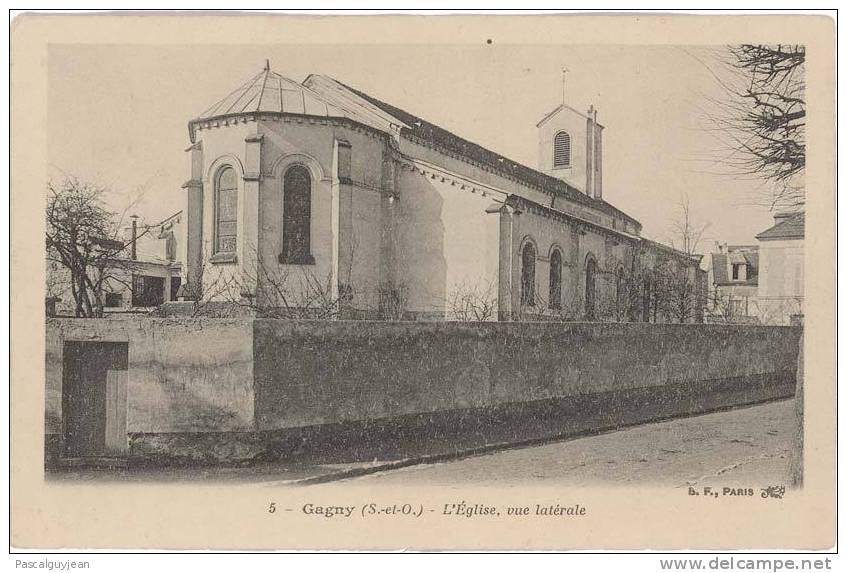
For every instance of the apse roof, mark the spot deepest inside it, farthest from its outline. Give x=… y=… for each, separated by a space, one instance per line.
x=272 y=92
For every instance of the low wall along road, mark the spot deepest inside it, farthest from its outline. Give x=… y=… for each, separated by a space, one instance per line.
x=223 y=390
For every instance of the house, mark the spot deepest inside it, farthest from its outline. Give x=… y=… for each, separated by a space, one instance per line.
x=733 y=283
x=317 y=195
x=146 y=273
x=781 y=276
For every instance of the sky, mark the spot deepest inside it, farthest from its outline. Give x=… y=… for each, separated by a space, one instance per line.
x=118 y=115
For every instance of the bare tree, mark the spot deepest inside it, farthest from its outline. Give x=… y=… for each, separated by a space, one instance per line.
x=677 y=291
x=721 y=306
x=269 y=291
x=761 y=121
x=614 y=286
x=468 y=303
x=82 y=236
x=687 y=233
x=286 y=292
x=674 y=278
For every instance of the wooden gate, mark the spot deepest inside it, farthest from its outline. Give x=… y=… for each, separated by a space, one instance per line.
x=94 y=396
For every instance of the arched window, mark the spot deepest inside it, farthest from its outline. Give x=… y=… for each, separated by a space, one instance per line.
x=620 y=293
x=590 y=274
x=528 y=275
x=226 y=211
x=562 y=149
x=647 y=300
x=556 y=279
x=297 y=216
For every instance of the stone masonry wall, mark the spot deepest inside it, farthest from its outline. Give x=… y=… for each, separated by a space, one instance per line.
x=311 y=373
x=230 y=389
x=185 y=375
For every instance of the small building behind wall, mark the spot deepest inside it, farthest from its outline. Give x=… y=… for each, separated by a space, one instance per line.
x=781 y=249
x=144 y=275
x=733 y=283
x=318 y=196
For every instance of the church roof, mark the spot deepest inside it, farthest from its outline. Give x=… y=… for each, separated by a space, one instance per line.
x=270 y=92
x=439 y=136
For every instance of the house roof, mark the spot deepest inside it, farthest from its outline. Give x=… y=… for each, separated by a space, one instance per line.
x=789 y=227
x=439 y=136
x=721 y=265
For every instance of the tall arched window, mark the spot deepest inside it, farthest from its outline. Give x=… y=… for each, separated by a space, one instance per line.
x=297 y=216
x=528 y=275
x=562 y=149
x=226 y=210
x=556 y=279
x=590 y=275
x=647 y=300
x=620 y=294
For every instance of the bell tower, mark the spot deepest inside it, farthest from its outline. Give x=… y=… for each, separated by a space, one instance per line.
x=570 y=147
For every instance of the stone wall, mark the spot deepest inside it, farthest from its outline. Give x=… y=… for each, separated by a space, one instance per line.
x=311 y=373
x=234 y=389
x=185 y=375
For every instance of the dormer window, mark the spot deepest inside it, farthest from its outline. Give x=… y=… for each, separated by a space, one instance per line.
x=562 y=150
x=739 y=271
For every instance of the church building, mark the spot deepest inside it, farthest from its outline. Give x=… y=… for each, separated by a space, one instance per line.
x=315 y=195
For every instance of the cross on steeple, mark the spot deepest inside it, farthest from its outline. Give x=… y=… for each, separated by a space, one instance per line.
x=267 y=65
x=564 y=78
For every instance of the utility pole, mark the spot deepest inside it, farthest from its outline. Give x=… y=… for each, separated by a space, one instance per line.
x=133 y=250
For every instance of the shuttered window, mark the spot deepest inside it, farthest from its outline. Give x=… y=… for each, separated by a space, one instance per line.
x=562 y=150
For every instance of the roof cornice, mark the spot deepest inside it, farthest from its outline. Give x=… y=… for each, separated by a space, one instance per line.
x=250 y=116
x=524 y=204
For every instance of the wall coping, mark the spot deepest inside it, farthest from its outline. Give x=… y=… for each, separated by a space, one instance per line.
x=405 y=324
